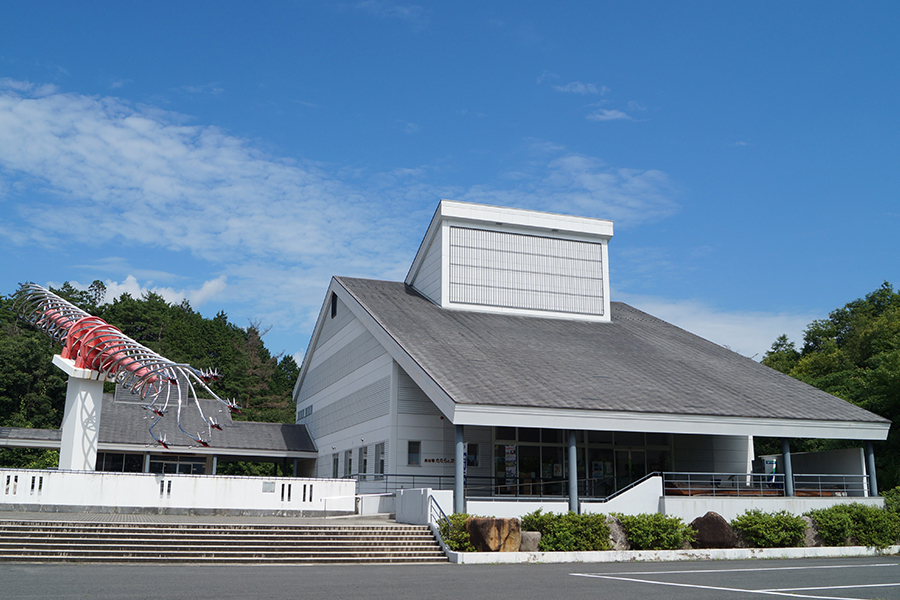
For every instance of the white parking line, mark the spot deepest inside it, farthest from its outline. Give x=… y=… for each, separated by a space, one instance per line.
x=710 y=587
x=756 y=569
x=833 y=587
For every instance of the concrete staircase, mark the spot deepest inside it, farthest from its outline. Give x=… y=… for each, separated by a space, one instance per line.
x=61 y=541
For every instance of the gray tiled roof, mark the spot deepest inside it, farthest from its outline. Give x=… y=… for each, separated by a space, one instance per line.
x=635 y=363
x=24 y=433
x=128 y=423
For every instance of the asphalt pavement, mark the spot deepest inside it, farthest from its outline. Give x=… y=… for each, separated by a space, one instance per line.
x=837 y=578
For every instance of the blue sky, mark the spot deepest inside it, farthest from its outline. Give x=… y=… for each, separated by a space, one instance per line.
x=239 y=154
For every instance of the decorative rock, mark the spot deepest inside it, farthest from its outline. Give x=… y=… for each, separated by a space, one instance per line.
x=811 y=537
x=531 y=541
x=617 y=538
x=713 y=531
x=494 y=535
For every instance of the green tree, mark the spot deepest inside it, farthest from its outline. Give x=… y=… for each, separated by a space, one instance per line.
x=853 y=354
x=32 y=390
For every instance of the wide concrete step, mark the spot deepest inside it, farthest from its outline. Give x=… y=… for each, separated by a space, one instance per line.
x=41 y=541
x=307 y=560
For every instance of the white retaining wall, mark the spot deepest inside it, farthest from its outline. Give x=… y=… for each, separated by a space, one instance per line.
x=696 y=506
x=413 y=506
x=29 y=489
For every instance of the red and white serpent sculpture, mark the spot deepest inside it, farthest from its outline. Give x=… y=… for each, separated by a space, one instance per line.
x=94 y=344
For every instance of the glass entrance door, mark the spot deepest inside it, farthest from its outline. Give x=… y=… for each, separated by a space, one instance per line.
x=630 y=466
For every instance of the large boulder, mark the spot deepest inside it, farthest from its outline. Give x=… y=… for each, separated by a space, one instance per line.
x=618 y=540
x=531 y=541
x=488 y=534
x=713 y=531
x=811 y=537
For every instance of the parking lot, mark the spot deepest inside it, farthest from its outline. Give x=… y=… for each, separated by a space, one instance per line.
x=856 y=578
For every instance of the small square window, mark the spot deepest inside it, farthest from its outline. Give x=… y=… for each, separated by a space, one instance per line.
x=414 y=453
x=471 y=455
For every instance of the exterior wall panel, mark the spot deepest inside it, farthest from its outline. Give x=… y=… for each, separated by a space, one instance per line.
x=510 y=270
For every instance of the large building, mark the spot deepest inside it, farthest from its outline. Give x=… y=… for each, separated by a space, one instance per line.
x=501 y=360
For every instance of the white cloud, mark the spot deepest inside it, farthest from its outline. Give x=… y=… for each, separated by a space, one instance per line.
x=577 y=87
x=605 y=114
x=748 y=333
x=546 y=76
x=131 y=286
x=413 y=14
x=27 y=87
x=582 y=185
x=116 y=184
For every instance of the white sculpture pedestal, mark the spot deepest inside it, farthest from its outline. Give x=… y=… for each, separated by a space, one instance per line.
x=81 y=421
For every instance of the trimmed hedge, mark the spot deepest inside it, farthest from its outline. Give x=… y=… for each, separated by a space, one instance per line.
x=865 y=525
x=656 y=531
x=568 y=532
x=778 y=529
x=455 y=535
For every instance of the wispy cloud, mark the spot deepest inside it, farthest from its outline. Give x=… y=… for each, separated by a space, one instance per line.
x=577 y=87
x=121 y=185
x=749 y=333
x=607 y=114
x=547 y=76
x=207 y=88
x=408 y=127
x=93 y=171
x=561 y=181
x=411 y=13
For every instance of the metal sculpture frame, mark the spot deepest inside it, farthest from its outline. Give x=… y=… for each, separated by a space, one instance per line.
x=95 y=345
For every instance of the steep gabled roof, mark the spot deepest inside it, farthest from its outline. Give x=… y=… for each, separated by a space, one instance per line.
x=635 y=364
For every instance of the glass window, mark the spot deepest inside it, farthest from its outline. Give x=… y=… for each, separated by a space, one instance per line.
x=414 y=453
x=335 y=465
x=629 y=438
x=657 y=439
x=552 y=436
x=379 y=458
x=506 y=434
x=134 y=463
x=364 y=459
x=471 y=455
x=529 y=435
x=600 y=437
x=348 y=463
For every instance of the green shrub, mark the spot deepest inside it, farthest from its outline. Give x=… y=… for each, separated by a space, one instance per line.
x=455 y=534
x=892 y=500
x=834 y=526
x=870 y=525
x=770 y=530
x=568 y=532
x=655 y=531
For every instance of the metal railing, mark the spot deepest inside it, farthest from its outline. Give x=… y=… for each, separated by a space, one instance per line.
x=830 y=485
x=763 y=484
x=723 y=484
x=603 y=489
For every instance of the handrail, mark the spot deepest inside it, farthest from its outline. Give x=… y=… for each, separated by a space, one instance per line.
x=631 y=485
x=435 y=507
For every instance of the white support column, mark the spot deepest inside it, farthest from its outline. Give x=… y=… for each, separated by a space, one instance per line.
x=81 y=421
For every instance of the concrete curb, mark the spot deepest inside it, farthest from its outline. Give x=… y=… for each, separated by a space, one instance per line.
x=610 y=556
